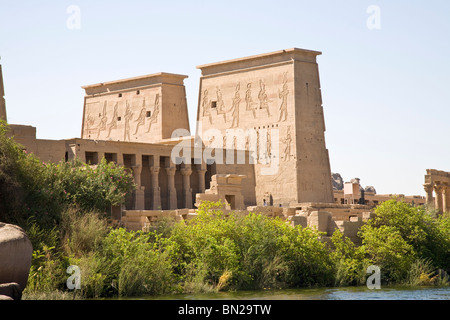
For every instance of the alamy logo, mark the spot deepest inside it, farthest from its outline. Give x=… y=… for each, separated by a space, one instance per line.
x=74 y=281
x=374 y=20
x=374 y=280
x=261 y=146
x=73 y=22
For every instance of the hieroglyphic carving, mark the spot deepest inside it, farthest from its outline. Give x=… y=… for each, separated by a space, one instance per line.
x=89 y=119
x=127 y=117
x=103 y=120
x=235 y=107
x=287 y=145
x=154 y=116
x=283 y=96
x=220 y=104
x=206 y=106
x=89 y=122
x=249 y=100
x=263 y=99
x=113 y=123
x=141 y=119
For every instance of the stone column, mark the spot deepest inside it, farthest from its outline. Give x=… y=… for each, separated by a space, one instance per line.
x=156 y=192
x=429 y=194
x=120 y=159
x=187 y=190
x=438 y=190
x=201 y=180
x=139 y=202
x=100 y=156
x=171 y=191
x=446 y=198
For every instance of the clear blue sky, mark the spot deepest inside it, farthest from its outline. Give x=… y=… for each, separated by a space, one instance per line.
x=386 y=92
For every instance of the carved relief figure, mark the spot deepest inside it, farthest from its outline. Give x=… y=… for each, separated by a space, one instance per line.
x=89 y=122
x=154 y=116
x=235 y=108
x=283 y=96
x=269 y=144
x=113 y=123
x=103 y=120
x=206 y=106
x=220 y=104
x=141 y=119
x=249 y=100
x=127 y=117
x=263 y=99
x=287 y=144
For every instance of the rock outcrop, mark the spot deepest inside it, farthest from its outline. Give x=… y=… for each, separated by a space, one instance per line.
x=15 y=259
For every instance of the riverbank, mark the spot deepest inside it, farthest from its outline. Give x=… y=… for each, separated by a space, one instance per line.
x=212 y=254
x=333 y=293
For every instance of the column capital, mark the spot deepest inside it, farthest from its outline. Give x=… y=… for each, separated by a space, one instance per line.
x=428 y=187
x=186 y=171
x=438 y=187
x=137 y=168
x=154 y=170
x=171 y=171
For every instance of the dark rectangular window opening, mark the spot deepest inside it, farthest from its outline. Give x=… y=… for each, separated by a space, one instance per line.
x=149 y=114
x=119 y=118
x=91 y=157
x=120 y=95
x=138 y=92
x=213 y=104
x=111 y=157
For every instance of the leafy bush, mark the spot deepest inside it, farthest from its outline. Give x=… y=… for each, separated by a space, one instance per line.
x=252 y=251
x=387 y=249
x=428 y=238
x=89 y=187
x=30 y=187
x=349 y=260
x=136 y=263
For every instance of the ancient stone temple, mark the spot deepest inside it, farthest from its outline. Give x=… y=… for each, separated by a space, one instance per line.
x=141 y=109
x=259 y=118
x=270 y=104
x=438 y=182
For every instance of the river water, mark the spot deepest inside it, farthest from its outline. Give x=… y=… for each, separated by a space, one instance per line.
x=345 y=293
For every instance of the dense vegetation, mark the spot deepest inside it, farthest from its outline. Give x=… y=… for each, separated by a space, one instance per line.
x=63 y=207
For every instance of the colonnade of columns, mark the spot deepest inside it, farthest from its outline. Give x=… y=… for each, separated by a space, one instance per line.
x=441 y=200
x=155 y=166
x=171 y=192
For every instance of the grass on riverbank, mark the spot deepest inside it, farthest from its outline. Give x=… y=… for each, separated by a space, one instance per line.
x=240 y=252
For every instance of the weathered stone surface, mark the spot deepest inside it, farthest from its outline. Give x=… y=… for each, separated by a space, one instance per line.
x=319 y=220
x=226 y=188
x=275 y=100
x=15 y=255
x=338 y=182
x=12 y=290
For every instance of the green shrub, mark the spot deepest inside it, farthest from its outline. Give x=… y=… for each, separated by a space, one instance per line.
x=136 y=264
x=47 y=272
x=386 y=248
x=251 y=251
x=417 y=228
x=350 y=261
x=82 y=232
